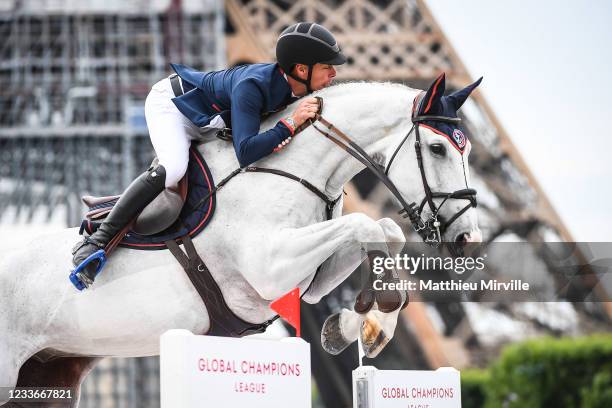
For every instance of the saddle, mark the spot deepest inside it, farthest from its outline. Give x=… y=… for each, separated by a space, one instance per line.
x=172 y=219
x=174 y=213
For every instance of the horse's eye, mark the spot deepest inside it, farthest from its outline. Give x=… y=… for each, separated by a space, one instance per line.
x=438 y=149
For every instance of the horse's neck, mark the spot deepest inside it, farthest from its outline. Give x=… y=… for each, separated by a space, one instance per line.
x=374 y=115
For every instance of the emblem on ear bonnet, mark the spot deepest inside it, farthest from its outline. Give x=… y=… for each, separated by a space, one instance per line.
x=459 y=138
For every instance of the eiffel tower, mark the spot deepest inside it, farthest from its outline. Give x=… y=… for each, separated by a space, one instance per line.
x=400 y=41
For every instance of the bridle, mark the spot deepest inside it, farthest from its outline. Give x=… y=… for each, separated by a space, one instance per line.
x=431 y=229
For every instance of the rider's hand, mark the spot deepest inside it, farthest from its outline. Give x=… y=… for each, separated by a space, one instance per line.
x=307 y=109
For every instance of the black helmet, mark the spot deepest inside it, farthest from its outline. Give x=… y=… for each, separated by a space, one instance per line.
x=308 y=44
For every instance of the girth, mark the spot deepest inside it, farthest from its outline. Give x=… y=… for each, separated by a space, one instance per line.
x=223 y=322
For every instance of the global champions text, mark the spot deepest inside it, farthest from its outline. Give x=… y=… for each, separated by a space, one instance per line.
x=249 y=368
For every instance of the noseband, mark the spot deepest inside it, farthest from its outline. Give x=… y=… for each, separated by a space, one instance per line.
x=432 y=228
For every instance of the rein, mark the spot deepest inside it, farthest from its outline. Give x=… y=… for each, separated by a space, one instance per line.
x=431 y=229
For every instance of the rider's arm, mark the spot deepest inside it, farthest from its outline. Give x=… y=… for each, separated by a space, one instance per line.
x=247 y=103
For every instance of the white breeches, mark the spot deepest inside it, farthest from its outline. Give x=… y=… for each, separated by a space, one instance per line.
x=171 y=132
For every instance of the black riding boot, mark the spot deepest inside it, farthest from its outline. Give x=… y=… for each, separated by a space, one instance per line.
x=133 y=200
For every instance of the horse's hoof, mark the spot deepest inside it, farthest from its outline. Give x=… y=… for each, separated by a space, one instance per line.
x=331 y=336
x=389 y=300
x=364 y=301
x=373 y=337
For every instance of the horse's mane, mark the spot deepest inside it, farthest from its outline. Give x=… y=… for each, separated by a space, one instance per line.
x=351 y=86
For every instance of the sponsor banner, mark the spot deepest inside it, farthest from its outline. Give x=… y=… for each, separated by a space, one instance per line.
x=216 y=371
x=374 y=388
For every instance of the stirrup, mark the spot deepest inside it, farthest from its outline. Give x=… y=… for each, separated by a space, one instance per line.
x=79 y=279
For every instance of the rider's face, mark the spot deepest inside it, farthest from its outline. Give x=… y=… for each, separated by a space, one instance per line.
x=322 y=75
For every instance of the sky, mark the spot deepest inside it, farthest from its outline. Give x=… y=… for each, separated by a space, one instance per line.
x=547 y=68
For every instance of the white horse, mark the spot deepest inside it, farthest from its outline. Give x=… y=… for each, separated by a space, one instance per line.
x=268 y=236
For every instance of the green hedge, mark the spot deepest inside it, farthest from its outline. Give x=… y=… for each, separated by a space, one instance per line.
x=474 y=384
x=600 y=393
x=546 y=372
x=550 y=372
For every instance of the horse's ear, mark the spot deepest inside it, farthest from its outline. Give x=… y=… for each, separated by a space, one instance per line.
x=457 y=98
x=431 y=101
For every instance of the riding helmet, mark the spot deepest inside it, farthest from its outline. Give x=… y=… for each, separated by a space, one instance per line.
x=308 y=44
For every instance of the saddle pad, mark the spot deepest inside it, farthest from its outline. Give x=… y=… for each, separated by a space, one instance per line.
x=191 y=220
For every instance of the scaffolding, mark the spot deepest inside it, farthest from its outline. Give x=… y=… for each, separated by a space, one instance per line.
x=73 y=79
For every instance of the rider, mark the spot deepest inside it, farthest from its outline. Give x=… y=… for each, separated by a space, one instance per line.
x=190 y=104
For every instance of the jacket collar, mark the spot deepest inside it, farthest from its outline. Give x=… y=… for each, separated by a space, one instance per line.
x=285 y=76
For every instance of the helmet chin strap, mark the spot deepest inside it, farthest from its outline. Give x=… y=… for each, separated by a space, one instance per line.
x=304 y=81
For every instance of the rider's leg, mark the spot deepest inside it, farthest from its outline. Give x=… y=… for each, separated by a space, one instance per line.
x=171 y=135
x=133 y=200
x=170 y=131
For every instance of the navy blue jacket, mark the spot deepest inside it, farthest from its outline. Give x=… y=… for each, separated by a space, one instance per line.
x=248 y=92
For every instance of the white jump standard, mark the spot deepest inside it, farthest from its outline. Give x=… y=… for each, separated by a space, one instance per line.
x=216 y=371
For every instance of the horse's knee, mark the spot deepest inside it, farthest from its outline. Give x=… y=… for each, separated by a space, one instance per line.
x=393 y=232
x=366 y=229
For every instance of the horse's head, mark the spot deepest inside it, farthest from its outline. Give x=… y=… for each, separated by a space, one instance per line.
x=441 y=149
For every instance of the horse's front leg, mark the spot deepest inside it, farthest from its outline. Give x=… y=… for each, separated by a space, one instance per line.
x=343 y=328
x=292 y=255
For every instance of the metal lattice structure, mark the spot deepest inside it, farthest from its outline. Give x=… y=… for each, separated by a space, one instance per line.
x=383 y=39
x=123 y=383
x=73 y=79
